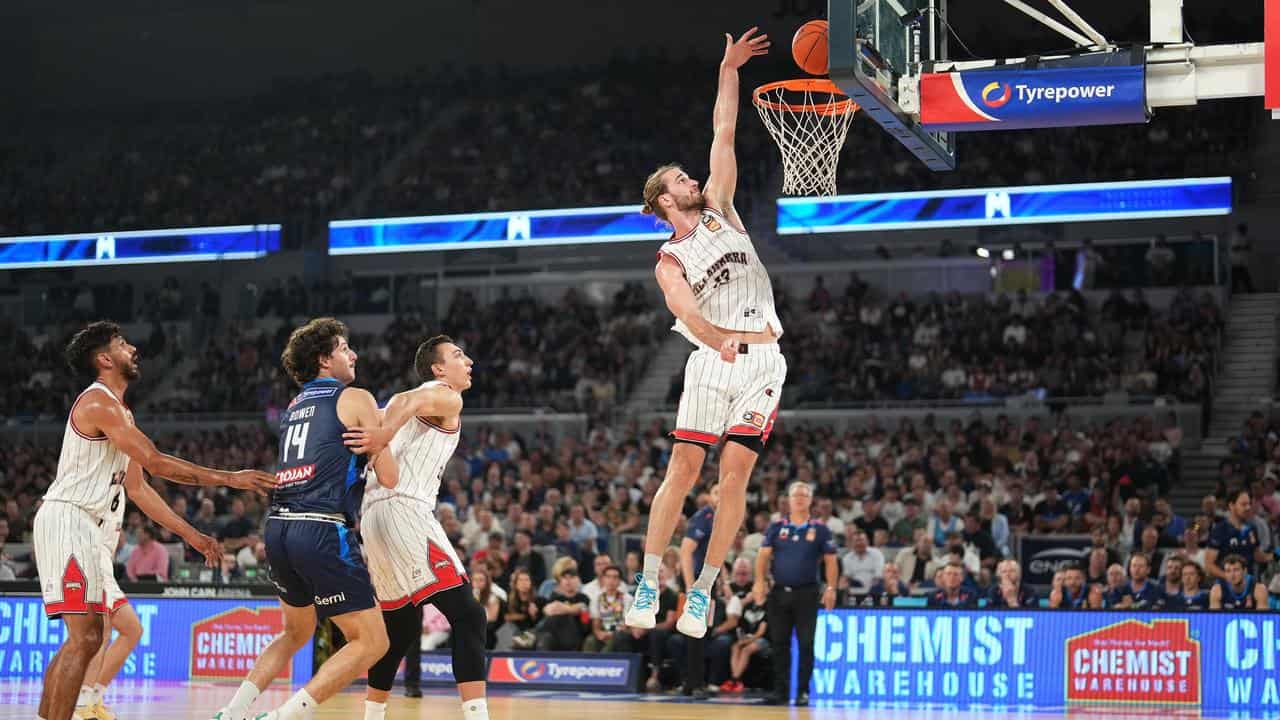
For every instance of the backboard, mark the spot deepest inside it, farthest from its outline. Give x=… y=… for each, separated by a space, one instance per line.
x=874 y=45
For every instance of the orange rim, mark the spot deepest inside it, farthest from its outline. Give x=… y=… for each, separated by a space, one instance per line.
x=806 y=85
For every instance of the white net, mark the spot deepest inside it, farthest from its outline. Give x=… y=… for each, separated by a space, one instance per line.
x=809 y=119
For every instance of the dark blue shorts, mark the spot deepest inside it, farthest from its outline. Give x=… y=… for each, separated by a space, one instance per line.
x=318 y=563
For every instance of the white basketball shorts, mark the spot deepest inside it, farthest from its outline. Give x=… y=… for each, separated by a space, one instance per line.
x=723 y=399
x=67 y=543
x=113 y=596
x=409 y=556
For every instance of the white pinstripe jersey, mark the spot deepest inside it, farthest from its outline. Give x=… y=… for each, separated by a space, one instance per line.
x=113 y=522
x=729 y=282
x=90 y=469
x=422 y=450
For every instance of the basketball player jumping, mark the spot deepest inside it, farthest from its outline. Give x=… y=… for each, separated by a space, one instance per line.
x=102 y=451
x=410 y=557
x=314 y=556
x=720 y=294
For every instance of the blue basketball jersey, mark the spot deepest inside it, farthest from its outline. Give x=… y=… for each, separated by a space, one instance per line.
x=1243 y=600
x=317 y=474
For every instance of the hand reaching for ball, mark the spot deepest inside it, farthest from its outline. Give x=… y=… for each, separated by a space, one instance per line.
x=736 y=54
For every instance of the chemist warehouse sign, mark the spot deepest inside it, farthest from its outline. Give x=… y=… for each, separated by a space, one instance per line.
x=1047 y=658
x=182 y=639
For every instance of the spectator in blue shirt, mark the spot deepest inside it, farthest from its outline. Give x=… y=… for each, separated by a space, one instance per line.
x=1174 y=525
x=1069 y=591
x=1234 y=535
x=1076 y=497
x=1139 y=593
x=1238 y=590
x=888 y=588
x=581 y=530
x=1009 y=591
x=1192 y=595
x=951 y=592
x=1052 y=514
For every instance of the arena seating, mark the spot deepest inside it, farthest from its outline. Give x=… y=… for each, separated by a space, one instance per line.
x=309 y=150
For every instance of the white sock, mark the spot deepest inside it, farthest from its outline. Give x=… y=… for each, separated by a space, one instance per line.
x=707 y=578
x=299 y=707
x=374 y=710
x=475 y=709
x=244 y=697
x=651 y=563
x=86 y=696
x=98 y=691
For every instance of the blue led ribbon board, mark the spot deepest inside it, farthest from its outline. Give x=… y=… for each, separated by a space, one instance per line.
x=1086 y=202
x=239 y=242
x=474 y=231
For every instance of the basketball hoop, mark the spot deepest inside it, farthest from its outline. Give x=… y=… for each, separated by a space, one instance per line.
x=809 y=119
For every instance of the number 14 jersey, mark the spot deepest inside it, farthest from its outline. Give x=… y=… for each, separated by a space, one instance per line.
x=729 y=282
x=319 y=478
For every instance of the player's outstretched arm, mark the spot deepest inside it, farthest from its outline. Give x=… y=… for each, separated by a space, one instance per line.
x=722 y=183
x=154 y=507
x=98 y=412
x=434 y=401
x=358 y=409
x=682 y=304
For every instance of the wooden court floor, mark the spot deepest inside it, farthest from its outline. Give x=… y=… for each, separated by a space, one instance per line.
x=139 y=700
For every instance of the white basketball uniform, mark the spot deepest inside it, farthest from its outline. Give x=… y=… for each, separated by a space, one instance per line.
x=409 y=556
x=734 y=292
x=68 y=532
x=112 y=526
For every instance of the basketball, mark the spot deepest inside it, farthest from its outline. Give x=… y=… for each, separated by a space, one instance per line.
x=809 y=47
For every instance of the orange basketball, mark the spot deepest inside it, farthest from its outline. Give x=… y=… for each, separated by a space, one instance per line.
x=809 y=47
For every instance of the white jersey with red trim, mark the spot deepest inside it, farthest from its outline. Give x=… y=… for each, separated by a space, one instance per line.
x=90 y=469
x=422 y=450
x=729 y=282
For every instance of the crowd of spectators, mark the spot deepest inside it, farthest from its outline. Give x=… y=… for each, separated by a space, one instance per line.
x=925 y=510
x=308 y=146
x=865 y=347
x=612 y=127
x=498 y=141
x=570 y=354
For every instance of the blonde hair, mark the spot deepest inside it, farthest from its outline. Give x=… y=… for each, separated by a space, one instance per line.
x=564 y=563
x=654 y=186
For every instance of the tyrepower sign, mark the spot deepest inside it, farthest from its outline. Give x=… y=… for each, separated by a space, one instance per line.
x=601 y=672
x=1017 y=99
x=1135 y=662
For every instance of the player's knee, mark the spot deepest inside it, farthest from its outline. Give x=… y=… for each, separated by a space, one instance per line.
x=686 y=462
x=476 y=617
x=375 y=644
x=733 y=483
x=130 y=632
x=87 y=638
x=297 y=636
x=130 y=636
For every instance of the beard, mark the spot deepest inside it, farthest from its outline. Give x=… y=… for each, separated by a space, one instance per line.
x=695 y=201
x=132 y=371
